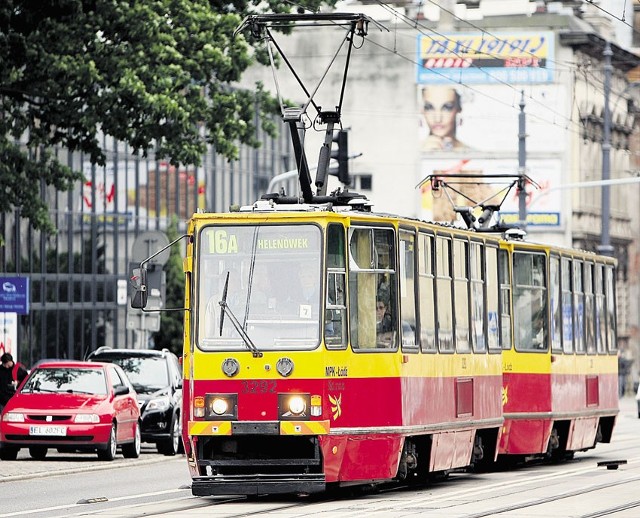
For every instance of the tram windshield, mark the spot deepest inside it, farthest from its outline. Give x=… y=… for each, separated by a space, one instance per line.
x=273 y=290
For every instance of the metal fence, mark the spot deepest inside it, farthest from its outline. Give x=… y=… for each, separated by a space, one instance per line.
x=78 y=277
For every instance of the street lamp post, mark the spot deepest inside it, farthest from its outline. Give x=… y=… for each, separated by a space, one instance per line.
x=522 y=159
x=605 y=247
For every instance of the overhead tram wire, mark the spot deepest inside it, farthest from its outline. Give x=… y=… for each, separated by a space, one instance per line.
x=577 y=131
x=414 y=24
x=484 y=31
x=572 y=68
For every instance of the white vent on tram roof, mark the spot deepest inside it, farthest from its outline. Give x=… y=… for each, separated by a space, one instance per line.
x=514 y=234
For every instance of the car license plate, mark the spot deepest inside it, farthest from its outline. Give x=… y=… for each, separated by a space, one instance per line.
x=48 y=430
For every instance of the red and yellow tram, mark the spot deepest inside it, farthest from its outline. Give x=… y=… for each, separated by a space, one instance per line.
x=326 y=345
x=560 y=372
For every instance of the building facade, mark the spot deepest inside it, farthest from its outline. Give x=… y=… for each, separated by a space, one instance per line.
x=440 y=91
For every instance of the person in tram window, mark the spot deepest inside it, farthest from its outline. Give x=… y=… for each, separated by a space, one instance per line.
x=263 y=298
x=384 y=323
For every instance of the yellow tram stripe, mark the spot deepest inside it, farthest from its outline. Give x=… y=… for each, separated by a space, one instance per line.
x=304 y=427
x=286 y=427
x=209 y=428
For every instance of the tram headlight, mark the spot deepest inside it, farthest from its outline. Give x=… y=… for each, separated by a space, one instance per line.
x=297 y=405
x=221 y=406
x=293 y=406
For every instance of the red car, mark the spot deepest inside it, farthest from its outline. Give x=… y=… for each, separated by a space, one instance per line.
x=72 y=406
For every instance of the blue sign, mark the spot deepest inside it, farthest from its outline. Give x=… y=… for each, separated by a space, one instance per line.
x=14 y=295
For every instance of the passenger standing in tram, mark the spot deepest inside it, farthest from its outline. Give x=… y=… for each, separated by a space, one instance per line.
x=384 y=323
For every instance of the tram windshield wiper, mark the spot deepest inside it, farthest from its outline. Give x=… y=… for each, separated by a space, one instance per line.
x=224 y=308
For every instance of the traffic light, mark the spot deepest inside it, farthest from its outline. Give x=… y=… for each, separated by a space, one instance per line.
x=340 y=152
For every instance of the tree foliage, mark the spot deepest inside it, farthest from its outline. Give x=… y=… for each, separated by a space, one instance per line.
x=151 y=73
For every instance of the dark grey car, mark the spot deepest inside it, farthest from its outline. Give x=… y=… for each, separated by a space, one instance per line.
x=157 y=378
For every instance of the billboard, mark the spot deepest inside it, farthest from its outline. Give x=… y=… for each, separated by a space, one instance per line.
x=485 y=119
x=520 y=57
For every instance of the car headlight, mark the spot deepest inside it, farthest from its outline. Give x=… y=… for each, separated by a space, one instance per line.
x=161 y=404
x=13 y=417
x=86 y=418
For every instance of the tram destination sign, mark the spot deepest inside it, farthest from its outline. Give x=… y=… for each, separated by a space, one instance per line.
x=14 y=295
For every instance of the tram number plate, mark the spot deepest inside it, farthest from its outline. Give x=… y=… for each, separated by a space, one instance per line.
x=48 y=430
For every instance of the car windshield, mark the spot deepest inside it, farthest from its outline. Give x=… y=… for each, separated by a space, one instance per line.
x=267 y=281
x=145 y=373
x=67 y=380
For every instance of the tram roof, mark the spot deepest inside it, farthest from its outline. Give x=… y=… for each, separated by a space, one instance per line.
x=262 y=208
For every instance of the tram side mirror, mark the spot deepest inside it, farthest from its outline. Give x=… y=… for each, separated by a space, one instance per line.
x=139 y=284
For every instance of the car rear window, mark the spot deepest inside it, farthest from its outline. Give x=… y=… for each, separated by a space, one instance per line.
x=144 y=373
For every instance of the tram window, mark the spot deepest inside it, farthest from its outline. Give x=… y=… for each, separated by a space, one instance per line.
x=493 y=297
x=372 y=283
x=505 y=299
x=589 y=310
x=461 y=294
x=567 y=306
x=336 y=310
x=556 y=306
x=407 y=290
x=444 y=326
x=530 y=301
x=578 y=307
x=601 y=337
x=476 y=276
x=427 y=300
x=610 y=315
x=251 y=268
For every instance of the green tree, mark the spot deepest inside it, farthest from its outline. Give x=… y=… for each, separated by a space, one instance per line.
x=151 y=73
x=171 y=335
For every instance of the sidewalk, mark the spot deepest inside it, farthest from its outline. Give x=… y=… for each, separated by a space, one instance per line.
x=26 y=467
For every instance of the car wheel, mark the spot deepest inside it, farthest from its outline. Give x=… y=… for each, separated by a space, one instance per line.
x=171 y=446
x=9 y=453
x=132 y=449
x=38 y=452
x=109 y=453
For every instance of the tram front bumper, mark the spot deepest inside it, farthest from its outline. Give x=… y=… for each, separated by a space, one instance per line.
x=257 y=484
x=257 y=458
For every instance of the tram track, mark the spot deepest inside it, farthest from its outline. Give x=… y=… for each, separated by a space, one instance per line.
x=564 y=496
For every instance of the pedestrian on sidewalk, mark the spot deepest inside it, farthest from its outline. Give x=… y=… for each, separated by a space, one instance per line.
x=11 y=376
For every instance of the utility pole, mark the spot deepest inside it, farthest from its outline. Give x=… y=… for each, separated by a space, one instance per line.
x=522 y=159
x=605 y=247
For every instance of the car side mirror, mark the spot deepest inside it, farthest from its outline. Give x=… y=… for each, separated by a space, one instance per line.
x=139 y=284
x=121 y=390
